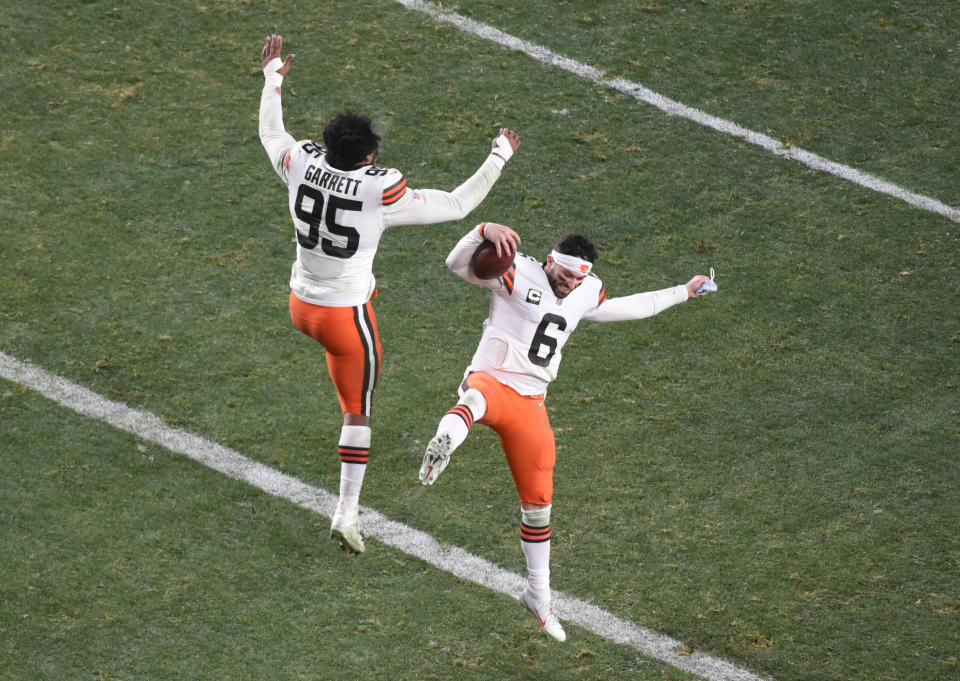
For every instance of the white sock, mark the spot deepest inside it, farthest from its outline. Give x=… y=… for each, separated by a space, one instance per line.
x=354 y=451
x=535 y=543
x=454 y=425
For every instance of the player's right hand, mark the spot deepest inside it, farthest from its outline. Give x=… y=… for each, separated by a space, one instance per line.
x=271 y=50
x=504 y=238
x=695 y=284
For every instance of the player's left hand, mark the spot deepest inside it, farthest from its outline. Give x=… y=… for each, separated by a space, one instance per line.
x=511 y=137
x=271 y=50
x=694 y=284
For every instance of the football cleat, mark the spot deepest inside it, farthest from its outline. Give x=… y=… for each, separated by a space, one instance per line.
x=436 y=458
x=542 y=610
x=345 y=528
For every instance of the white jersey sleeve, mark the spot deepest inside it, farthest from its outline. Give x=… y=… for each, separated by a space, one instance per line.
x=276 y=141
x=638 y=306
x=428 y=206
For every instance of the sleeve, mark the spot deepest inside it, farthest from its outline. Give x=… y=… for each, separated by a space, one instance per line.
x=427 y=206
x=458 y=261
x=275 y=139
x=637 y=306
x=395 y=189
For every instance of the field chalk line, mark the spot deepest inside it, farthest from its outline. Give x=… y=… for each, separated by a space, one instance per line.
x=674 y=108
x=452 y=559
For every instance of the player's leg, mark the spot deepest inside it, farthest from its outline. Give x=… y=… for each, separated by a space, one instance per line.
x=354 y=449
x=354 y=354
x=454 y=427
x=535 y=543
x=530 y=449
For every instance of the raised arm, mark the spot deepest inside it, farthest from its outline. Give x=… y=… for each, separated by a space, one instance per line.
x=427 y=206
x=275 y=139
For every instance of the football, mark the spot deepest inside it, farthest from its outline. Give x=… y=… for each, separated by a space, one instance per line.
x=486 y=264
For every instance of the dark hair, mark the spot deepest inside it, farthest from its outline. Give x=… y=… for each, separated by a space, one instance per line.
x=577 y=245
x=349 y=139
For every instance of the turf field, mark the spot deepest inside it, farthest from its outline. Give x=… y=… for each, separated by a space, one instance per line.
x=768 y=475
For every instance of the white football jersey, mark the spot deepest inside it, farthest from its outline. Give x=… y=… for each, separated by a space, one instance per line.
x=338 y=216
x=527 y=327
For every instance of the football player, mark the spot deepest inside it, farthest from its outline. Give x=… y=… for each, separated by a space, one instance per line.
x=534 y=308
x=341 y=203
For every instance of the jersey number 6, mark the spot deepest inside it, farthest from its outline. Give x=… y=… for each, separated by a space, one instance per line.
x=315 y=217
x=542 y=340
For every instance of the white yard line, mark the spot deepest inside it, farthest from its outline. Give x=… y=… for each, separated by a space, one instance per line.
x=674 y=108
x=452 y=559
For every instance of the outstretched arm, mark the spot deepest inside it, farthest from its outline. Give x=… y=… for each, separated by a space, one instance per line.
x=643 y=305
x=275 y=139
x=427 y=206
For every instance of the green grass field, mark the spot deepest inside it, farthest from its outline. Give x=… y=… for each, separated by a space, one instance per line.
x=769 y=475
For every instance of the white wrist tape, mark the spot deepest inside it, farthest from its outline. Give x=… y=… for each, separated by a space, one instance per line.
x=270 y=75
x=272 y=66
x=503 y=149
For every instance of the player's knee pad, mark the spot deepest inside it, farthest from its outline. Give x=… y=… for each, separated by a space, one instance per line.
x=538 y=517
x=475 y=401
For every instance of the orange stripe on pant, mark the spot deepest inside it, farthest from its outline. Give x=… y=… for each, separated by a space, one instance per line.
x=525 y=434
x=350 y=337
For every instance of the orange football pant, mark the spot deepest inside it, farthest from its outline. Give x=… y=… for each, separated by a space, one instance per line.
x=525 y=434
x=349 y=335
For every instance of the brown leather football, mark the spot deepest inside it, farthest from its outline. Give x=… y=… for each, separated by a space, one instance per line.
x=486 y=264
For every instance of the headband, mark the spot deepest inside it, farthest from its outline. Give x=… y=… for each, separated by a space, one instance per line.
x=572 y=263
